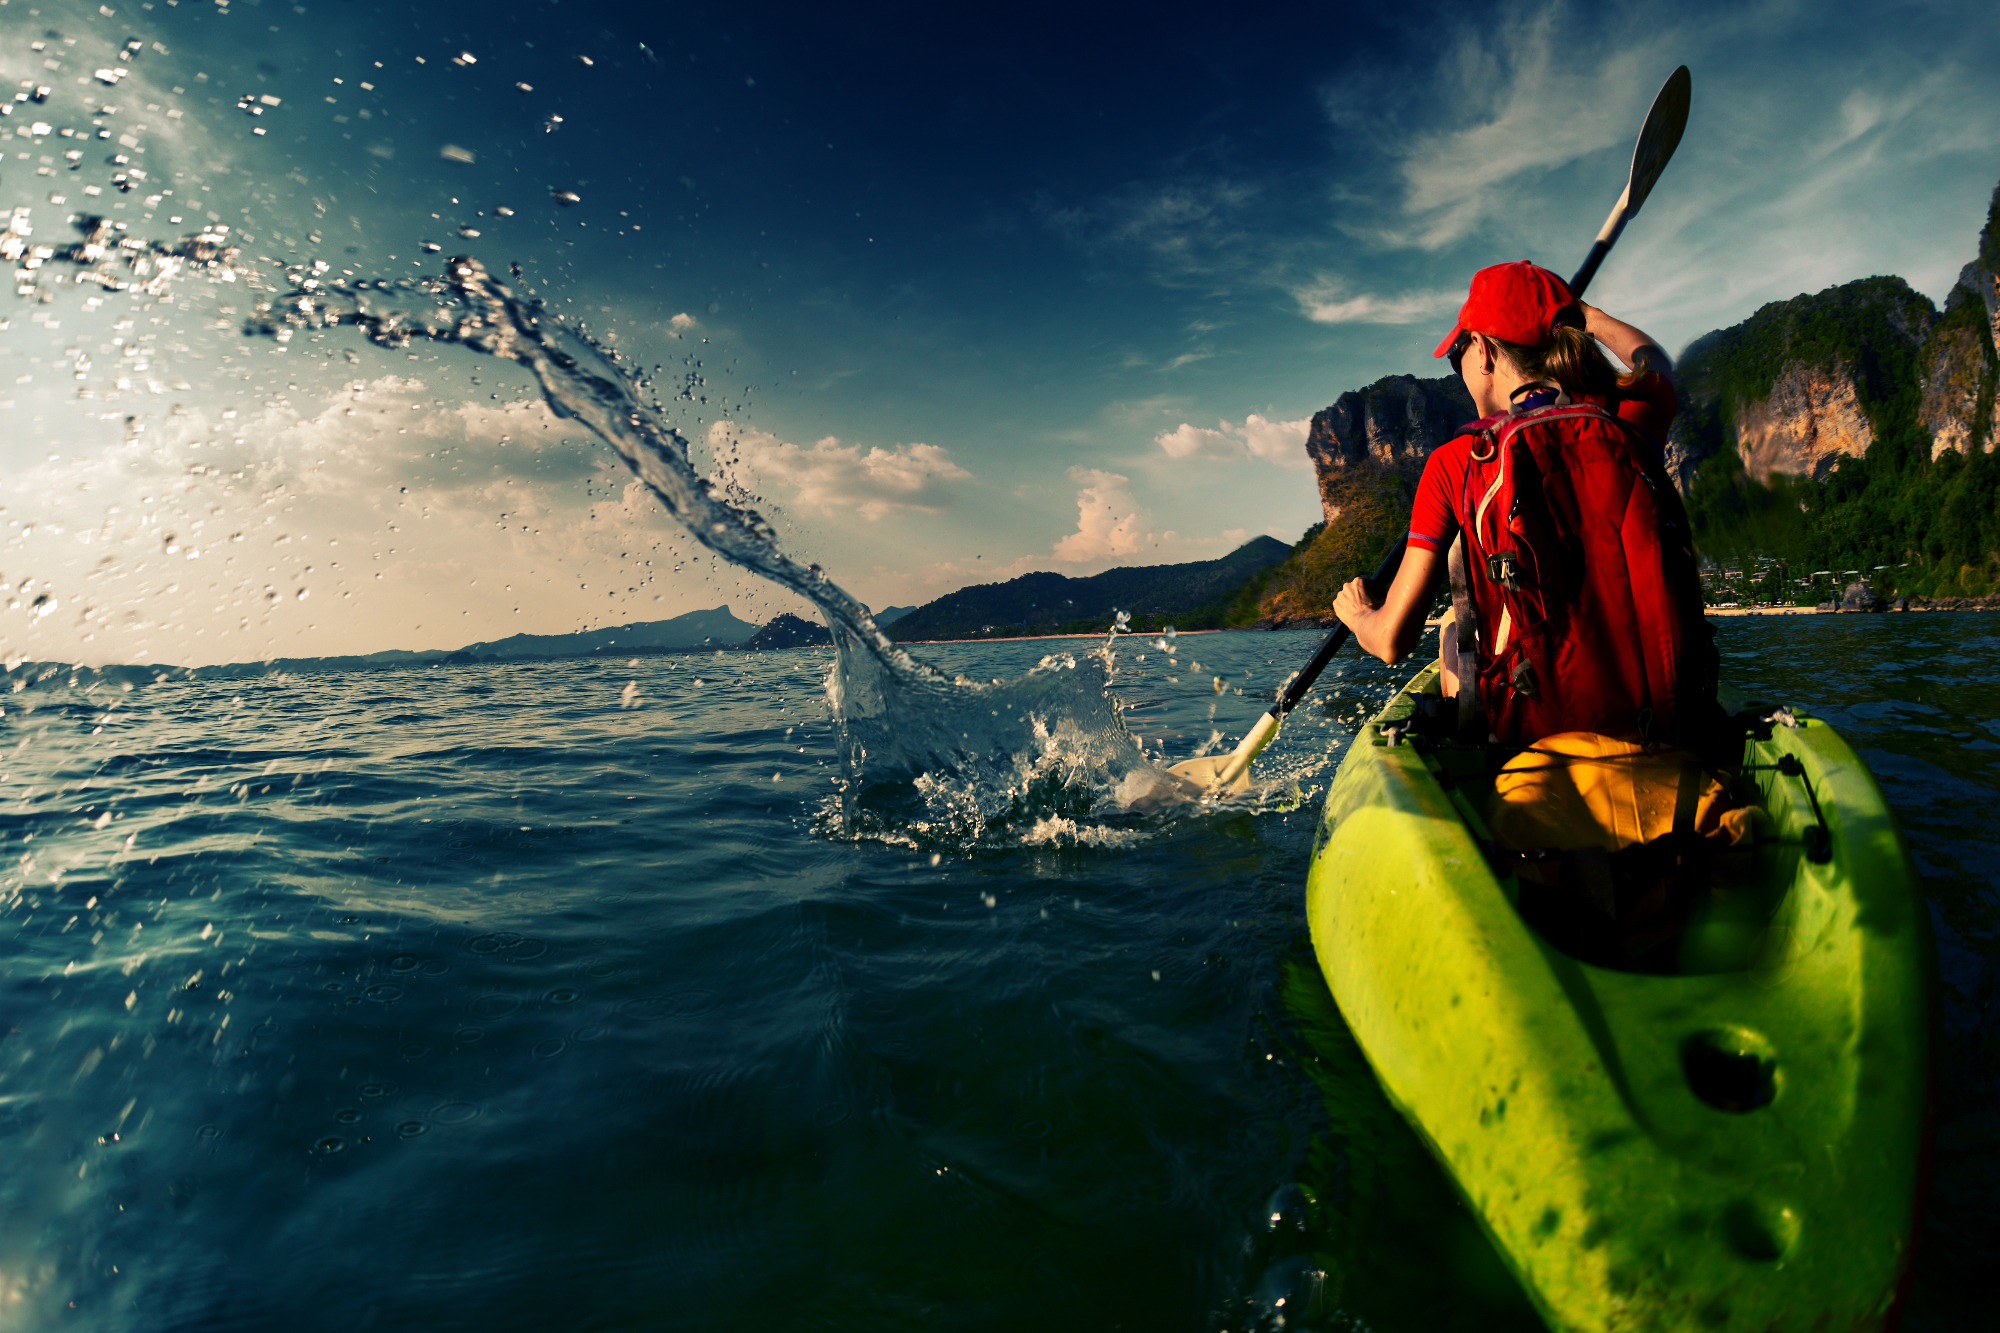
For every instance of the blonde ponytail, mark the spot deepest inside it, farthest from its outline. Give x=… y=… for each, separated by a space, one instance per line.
x=1570 y=358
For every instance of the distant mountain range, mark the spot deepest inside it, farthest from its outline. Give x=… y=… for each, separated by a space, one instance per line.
x=697 y=631
x=1190 y=596
x=717 y=628
x=693 y=632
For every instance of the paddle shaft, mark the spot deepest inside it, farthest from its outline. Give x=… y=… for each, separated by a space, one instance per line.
x=1299 y=685
x=1606 y=238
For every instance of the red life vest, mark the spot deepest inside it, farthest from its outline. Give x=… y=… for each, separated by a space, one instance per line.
x=1585 y=579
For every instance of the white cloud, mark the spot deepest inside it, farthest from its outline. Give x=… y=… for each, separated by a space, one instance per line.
x=1326 y=301
x=1188 y=441
x=1524 y=102
x=1279 y=442
x=374 y=515
x=835 y=478
x=1107 y=519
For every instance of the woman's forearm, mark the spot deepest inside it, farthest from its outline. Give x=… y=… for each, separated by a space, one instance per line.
x=1621 y=338
x=1391 y=629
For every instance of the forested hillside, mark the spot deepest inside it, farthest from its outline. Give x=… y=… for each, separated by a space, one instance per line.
x=1188 y=596
x=1853 y=429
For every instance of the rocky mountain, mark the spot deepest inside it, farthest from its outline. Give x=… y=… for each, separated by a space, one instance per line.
x=715 y=628
x=1854 y=427
x=1194 y=595
x=786 y=630
x=1804 y=384
x=1394 y=423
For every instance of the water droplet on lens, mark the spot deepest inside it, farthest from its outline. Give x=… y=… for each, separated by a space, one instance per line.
x=347 y=1117
x=330 y=1146
x=548 y=1050
x=563 y=995
x=409 y=1129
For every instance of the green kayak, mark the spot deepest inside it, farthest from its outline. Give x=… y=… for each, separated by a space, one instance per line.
x=1735 y=1144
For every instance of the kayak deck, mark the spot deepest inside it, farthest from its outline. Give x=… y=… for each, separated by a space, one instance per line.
x=1733 y=1146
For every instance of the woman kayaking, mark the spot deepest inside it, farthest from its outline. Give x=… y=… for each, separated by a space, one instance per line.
x=1579 y=604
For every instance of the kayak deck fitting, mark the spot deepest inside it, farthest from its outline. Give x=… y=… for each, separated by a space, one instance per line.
x=1736 y=1145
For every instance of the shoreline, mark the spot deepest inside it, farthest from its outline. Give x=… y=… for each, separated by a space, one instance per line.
x=1035 y=638
x=1433 y=624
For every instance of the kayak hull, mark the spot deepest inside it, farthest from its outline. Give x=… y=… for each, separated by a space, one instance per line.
x=1738 y=1148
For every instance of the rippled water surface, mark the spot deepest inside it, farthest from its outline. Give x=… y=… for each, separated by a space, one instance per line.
x=478 y=997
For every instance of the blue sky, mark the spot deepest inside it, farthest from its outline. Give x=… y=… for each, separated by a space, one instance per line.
x=1033 y=288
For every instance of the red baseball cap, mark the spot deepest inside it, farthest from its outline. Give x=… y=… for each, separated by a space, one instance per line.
x=1515 y=303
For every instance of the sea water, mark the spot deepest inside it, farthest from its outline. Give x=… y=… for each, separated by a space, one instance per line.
x=570 y=995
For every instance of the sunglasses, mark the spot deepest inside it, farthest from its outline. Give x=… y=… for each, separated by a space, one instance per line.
x=1457 y=352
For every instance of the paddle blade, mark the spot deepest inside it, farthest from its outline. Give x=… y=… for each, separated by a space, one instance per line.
x=1660 y=136
x=1204 y=771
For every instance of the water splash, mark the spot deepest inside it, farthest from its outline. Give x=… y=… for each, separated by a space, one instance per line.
x=115 y=261
x=927 y=757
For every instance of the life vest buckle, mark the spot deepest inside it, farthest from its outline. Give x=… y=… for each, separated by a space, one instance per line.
x=1504 y=568
x=1522 y=678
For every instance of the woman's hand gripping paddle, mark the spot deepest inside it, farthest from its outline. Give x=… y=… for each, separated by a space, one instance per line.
x=1230 y=773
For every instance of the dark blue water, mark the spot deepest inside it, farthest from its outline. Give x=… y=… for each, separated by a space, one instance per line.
x=479 y=997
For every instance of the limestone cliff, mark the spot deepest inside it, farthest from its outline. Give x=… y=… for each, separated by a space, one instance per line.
x=1954 y=379
x=1394 y=423
x=1811 y=420
x=1804 y=383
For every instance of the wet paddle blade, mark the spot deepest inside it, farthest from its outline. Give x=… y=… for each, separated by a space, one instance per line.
x=1204 y=771
x=1660 y=136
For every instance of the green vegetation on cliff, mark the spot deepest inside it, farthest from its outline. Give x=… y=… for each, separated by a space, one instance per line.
x=1935 y=521
x=1372 y=509
x=1897 y=506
